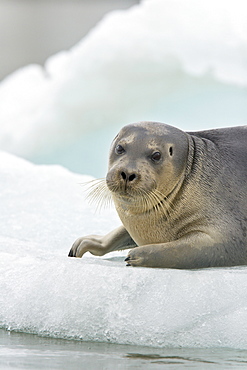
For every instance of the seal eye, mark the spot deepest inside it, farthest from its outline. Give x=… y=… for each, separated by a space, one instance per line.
x=156 y=157
x=119 y=149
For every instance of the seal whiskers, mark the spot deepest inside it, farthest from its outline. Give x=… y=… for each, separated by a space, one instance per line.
x=98 y=193
x=153 y=200
x=161 y=203
x=165 y=200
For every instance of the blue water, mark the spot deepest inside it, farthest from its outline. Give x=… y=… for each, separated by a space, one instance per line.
x=25 y=351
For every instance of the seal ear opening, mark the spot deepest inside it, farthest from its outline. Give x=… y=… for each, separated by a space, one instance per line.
x=171 y=150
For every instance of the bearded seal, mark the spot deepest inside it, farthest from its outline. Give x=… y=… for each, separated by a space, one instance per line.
x=181 y=197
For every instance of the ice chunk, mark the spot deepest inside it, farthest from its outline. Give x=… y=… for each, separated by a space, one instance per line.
x=43 y=209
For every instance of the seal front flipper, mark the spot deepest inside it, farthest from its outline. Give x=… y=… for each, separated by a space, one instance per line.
x=197 y=250
x=117 y=239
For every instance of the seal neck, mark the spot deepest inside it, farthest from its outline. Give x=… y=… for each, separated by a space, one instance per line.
x=191 y=155
x=201 y=150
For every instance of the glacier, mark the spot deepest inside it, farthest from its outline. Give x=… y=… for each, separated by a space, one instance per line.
x=177 y=62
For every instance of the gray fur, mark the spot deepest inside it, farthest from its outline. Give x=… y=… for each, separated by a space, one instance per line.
x=201 y=218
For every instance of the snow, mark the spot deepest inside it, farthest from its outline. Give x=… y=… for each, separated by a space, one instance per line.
x=43 y=210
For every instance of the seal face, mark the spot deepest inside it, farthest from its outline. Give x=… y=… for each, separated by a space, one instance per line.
x=182 y=197
x=143 y=159
x=146 y=165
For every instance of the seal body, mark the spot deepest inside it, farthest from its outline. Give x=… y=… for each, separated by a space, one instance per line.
x=181 y=196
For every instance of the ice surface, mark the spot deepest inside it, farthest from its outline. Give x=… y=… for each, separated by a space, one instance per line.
x=179 y=62
x=173 y=61
x=43 y=211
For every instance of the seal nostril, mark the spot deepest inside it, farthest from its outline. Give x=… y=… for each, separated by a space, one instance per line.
x=132 y=177
x=127 y=177
x=123 y=174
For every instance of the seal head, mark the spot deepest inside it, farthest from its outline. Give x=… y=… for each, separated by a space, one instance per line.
x=147 y=163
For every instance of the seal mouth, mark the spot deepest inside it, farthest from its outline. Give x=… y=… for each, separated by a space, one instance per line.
x=136 y=200
x=144 y=202
x=156 y=201
x=140 y=199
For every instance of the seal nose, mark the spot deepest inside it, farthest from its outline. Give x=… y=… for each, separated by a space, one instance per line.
x=128 y=177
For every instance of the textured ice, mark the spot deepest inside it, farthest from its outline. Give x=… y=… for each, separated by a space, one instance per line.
x=174 y=61
x=97 y=298
x=179 y=62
